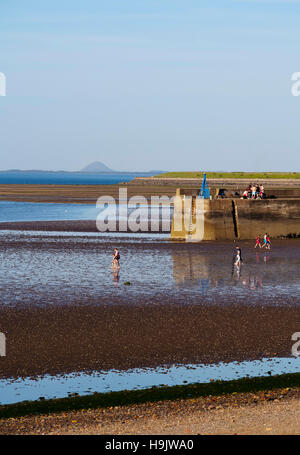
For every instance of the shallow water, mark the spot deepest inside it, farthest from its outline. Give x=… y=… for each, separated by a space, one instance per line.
x=51 y=268
x=34 y=211
x=11 y=211
x=12 y=391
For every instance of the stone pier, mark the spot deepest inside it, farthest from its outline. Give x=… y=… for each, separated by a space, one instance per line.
x=198 y=219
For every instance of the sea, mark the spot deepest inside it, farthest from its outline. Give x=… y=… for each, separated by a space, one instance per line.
x=68 y=178
x=11 y=211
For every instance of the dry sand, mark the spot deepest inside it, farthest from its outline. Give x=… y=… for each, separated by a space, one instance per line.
x=261 y=413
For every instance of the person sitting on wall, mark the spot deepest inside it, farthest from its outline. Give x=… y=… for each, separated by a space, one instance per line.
x=257 y=195
x=249 y=190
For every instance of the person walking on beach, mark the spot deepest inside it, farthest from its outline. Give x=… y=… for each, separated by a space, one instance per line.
x=257 y=242
x=268 y=242
x=265 y=240
x=115 y=262
x=238 y=258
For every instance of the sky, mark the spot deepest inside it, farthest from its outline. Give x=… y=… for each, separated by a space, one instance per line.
x=150 y=84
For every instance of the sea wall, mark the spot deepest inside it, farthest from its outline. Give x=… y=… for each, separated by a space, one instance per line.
x=228 y=219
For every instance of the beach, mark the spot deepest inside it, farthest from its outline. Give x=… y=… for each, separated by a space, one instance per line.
x=175 y=313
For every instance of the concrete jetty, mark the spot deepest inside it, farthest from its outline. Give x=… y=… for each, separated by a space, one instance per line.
x=231 y=218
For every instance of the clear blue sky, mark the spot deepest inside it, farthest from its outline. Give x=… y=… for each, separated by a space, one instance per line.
x=150 y=84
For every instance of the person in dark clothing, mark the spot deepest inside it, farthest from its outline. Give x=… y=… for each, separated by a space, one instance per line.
x=238 y=258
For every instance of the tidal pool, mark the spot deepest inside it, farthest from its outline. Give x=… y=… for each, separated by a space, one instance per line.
x=27 y=389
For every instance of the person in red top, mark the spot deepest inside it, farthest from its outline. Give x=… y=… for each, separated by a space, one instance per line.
x=268 y=242
x=257 y=242
x=262 y=191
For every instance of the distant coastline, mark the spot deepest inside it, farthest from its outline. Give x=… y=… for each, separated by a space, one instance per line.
x=37 y=171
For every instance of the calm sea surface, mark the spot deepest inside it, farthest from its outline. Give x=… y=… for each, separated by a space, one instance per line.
x=11 y=211
x=35 y=211
x=68 y=178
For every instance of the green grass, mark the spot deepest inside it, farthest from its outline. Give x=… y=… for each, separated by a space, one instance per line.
x=104 y=400
x=232 y=175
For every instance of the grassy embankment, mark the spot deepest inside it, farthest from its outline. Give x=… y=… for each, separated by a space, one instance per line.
x=231 y=175
x=155 y=394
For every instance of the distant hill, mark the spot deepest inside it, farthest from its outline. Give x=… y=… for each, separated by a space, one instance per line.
x=97 y=166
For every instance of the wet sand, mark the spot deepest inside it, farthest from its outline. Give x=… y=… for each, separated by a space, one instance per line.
x=81 y=193
x=58 y=226
x=64 y=340
x=70 y=315
x=62 y=226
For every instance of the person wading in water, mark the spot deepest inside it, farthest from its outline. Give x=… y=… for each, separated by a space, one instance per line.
x=238 y=258
x=115 y=265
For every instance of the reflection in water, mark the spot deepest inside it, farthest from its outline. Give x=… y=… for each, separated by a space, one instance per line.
x=236 y=270
x=266 y=258
x=212 y=273
x=116 y=277
x=251 y=280
x=41 y=268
